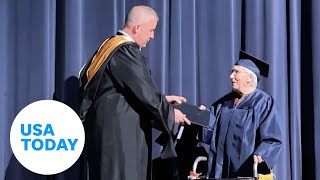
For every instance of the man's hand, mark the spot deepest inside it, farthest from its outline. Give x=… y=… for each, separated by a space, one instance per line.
x=177 y=99
x=202 y=107
x=179 y=117
x=257 y=159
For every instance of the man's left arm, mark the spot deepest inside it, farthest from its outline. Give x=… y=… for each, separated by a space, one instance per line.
x=271 y=137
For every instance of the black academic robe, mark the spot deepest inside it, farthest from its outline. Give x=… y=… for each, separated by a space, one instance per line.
x=118 y=124
x=239 y=133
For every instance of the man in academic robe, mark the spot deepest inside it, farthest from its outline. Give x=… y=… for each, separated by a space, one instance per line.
x=245 y=124
x=121 y=104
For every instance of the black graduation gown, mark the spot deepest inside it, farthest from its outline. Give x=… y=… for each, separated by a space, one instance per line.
x=118 y=124
x=251 y=128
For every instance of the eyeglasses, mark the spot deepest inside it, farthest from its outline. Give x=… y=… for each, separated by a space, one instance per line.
x=235 y=71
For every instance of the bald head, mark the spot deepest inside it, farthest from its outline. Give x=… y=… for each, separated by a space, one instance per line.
x=140 y=15
x=140 y=24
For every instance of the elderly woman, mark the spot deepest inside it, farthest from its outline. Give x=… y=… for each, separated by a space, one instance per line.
x=245 y=124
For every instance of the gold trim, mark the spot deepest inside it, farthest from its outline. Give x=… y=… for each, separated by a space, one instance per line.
x=102 y=54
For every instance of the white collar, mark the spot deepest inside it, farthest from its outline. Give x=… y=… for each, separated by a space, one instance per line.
x=126 y=34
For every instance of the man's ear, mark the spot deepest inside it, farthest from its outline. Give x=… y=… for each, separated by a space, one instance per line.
x=250 y=78
x=136 y=29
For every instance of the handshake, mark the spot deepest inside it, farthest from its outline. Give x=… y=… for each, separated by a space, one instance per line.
x=188 y=113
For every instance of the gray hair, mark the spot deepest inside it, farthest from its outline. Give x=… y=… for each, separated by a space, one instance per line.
x=254 y=81
x=139 y=15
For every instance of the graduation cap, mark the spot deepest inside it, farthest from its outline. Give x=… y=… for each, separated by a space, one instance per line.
x=194 y=114
x=256 y=65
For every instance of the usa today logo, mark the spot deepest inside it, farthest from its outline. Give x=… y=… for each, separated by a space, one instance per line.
x=47 y=137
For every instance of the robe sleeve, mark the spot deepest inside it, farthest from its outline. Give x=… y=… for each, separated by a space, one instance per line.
x=207 y=134
x=270 y=133
x=129 y=72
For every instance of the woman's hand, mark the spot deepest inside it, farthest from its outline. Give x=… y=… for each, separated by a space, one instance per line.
x=202 y=107
x=257 y=159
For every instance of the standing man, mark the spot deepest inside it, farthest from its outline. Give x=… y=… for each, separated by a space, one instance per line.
x=121 y=104
x=245 y=124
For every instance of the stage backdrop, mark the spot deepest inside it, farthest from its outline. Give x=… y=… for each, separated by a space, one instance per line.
x=44 y=43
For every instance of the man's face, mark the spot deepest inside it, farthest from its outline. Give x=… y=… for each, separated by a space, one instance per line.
x=145 y=32
x=240 y=79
